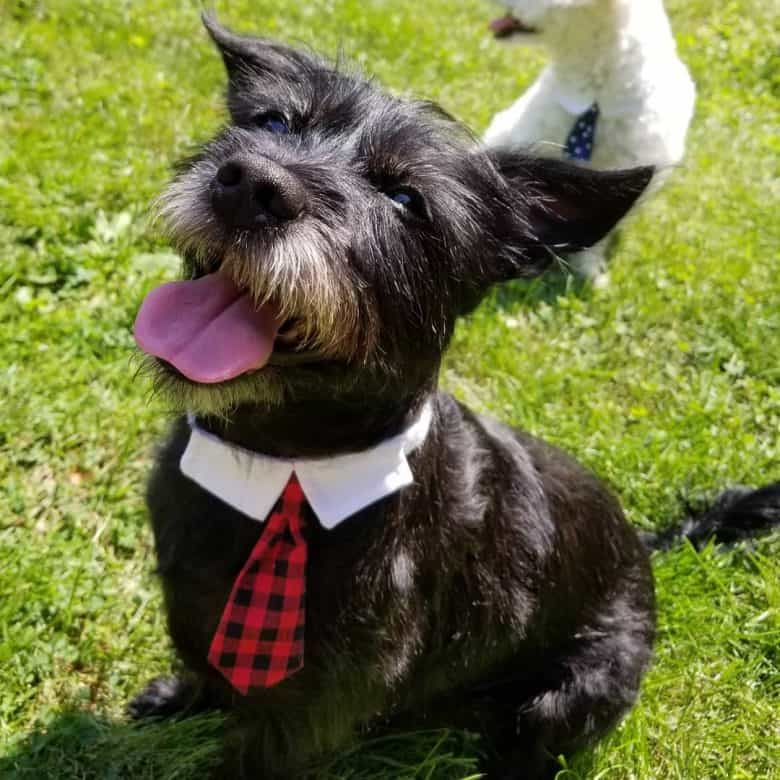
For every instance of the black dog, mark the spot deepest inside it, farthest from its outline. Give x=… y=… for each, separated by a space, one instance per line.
x=332 y=235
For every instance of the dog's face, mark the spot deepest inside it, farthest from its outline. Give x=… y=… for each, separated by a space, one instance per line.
x=334 y=233
x=536 y=16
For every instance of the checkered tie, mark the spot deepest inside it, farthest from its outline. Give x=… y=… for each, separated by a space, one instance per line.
x=579 y=142
x=259 y=640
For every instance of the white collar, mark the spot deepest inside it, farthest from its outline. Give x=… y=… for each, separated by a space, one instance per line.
x=575 y=101
x=336 y=487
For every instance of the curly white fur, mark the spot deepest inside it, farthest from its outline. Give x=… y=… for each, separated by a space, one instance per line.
x=620 y=54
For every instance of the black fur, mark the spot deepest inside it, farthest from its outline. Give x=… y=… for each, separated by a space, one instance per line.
x=503 y=591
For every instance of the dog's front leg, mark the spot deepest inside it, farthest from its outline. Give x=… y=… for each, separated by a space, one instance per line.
x=166 y=697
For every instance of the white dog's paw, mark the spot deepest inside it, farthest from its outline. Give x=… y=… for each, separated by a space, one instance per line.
x=590 y=264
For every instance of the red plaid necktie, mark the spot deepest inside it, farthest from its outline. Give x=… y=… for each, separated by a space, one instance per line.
x=259 y=640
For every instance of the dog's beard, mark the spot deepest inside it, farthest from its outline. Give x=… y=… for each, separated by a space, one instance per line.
x=268 y=388
x=301 y=269
x=262 y=388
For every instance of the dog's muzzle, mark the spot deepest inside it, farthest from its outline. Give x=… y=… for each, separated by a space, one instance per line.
x=508 y=25
x=249 y=192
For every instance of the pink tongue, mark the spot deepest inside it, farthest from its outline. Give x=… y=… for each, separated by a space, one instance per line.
x=207 y=328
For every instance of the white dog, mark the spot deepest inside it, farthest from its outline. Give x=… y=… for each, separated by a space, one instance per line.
x=615 y=93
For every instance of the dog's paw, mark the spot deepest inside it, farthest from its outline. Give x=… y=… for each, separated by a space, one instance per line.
x=163 y=697
x=591 y=265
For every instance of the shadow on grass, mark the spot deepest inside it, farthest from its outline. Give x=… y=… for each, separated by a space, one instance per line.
x=544 y=289
x=553 y=284
x=76 y=745
x=434 y=754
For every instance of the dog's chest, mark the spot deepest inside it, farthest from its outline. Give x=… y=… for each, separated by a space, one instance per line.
x=202 y=545
x=208 y=560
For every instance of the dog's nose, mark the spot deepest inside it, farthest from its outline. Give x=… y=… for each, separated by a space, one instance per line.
x=250 y=192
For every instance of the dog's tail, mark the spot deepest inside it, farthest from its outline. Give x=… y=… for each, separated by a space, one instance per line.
x=737 y=513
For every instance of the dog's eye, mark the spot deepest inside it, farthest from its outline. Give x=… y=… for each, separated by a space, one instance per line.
x=272 y=122
x=408 y=199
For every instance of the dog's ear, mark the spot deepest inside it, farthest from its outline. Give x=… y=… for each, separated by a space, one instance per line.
x=246 y=55
x=551 y=207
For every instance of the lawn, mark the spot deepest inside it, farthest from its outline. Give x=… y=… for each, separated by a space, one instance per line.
x=667 y=383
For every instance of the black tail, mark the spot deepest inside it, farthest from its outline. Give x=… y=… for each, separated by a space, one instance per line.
x=737 y=513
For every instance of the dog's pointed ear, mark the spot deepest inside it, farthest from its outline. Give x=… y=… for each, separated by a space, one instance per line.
x=246 y=54
x=553 y=207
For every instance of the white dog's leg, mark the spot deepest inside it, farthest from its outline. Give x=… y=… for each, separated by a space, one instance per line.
x=591 y=263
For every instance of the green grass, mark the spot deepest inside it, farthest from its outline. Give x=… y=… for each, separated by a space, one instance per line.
x=667 y=383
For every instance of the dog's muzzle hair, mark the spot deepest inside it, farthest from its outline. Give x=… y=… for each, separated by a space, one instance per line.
x=293 y=256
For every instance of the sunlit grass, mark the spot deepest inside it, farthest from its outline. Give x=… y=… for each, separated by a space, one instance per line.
x=667 y=383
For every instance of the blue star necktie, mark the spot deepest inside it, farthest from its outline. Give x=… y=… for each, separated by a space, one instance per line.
x=579 y=142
